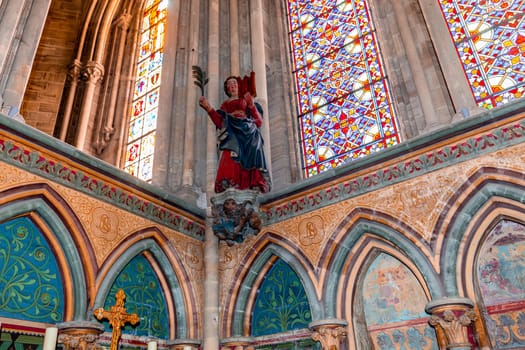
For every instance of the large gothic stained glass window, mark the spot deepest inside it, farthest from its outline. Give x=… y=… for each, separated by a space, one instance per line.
x=490 y=40
x=144 y=109
x=344 y=104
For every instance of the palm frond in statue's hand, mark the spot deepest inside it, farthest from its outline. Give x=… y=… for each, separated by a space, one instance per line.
x=201 y=78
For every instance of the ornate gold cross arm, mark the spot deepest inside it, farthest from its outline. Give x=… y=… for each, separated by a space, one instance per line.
x=117 y=317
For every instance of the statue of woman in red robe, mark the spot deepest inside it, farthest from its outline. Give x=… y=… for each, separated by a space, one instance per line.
x=242 y=164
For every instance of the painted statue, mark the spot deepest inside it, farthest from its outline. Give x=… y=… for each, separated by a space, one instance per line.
x=242 y=164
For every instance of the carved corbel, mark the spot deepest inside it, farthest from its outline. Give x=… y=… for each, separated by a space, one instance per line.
x=235 y=215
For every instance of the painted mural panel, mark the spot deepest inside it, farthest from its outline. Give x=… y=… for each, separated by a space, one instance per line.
x=394 y=304
x=281 y=304
x=30 y=281
x=144 y=297
x=501 y=277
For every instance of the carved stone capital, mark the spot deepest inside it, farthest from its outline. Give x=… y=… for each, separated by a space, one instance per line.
x=237 y=343
x=80 y=335
x=183 y=344
x=235 y=215
x=452 y=318
x=330 y=333
x=123 y=21
x=93 y=72
x=74 y=70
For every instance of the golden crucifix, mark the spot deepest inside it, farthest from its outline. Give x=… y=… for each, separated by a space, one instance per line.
x=117 y=317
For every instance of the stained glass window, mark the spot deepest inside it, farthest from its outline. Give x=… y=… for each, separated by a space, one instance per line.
x=344 y=104
x=490 y=41
x=144 y=108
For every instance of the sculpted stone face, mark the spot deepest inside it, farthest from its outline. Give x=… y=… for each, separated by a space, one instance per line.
x=232 y=88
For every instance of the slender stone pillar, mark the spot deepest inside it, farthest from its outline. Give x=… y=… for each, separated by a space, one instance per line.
x=458 y=86
x=191 y=104
x=452 y=318
x=21 y=24
x=432 y=119
x=75 y=70
x=330 y=333
x=211 y=244
x=234 y=39
x=259 y=67
x=93 y=74
x=73 y=75
x=80 y=335
x=107 y=129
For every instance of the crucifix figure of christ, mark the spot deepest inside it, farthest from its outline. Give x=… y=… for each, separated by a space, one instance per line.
x=117 y=317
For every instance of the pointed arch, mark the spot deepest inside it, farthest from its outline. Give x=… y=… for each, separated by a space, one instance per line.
x=362 y=230
x=494 y=210
x=481 y=194
x=66 y=237
x=180 y=297
x=251 y=271
x=360 y=238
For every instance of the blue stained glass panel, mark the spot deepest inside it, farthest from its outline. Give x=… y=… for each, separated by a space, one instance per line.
x=490 y=40
x=344 y=104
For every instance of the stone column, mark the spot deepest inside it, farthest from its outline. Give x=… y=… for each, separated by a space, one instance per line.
x=452 y=318
x=259 y=67
x=432 y=115
x=234 y=39
x=211 y=244
x=80 y=335
x=106 y=130
x=93 y=74
x=457 y=83
x=74 y=72
x=21 y=25
x=330 y=333
x=73 y=76
x=191 y=99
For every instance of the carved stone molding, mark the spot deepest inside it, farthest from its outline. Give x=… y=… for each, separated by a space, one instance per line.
x=330 y=333
x=74 y=70
x=183 y=344
x=452 y=318
x=93 y=72
x=235 y=215
x=237 y=343
x=80 y=335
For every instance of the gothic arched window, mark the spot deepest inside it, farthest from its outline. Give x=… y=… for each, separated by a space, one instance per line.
x=490 y=41
x=144 y=110
x=344 y=104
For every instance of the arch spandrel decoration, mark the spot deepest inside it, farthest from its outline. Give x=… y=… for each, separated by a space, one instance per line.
x=30 y=279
